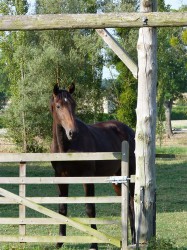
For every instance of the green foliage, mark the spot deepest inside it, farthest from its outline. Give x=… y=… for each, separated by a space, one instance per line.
x=184 y=37
x=1 y=122
x=126 y=111
x=171 y=71
x=179 y=113
x=91 y=117
x=171 y=64
x=160 y=131
x=34 y=61
x=174 y=41
x=160 y=243
x=124 y=89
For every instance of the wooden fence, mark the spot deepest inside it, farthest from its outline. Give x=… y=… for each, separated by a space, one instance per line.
x=55 y=218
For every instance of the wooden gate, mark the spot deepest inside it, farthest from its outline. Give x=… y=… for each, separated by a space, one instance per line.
x=55 y=218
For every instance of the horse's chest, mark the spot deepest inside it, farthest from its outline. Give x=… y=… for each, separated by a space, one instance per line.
x=80 y=168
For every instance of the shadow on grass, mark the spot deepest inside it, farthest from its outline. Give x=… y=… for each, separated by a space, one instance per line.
x=171 y=186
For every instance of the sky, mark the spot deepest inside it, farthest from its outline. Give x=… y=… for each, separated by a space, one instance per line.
x=176 y=3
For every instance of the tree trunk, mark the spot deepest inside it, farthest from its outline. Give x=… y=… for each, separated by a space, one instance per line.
x=168 y=108
x=23 y=112
x=145 y=132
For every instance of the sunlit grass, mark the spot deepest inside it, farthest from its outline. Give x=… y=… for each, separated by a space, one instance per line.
x=176 y=150
x=171 y=206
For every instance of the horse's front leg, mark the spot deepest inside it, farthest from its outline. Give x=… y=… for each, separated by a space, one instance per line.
x=63 y=192
x=132 y=216
x=90 y=208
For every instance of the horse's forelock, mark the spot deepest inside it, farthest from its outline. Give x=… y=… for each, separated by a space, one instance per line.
x=61 y=95
x=64 y=94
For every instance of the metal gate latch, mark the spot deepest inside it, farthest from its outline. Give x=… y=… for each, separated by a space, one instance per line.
x=118 y=179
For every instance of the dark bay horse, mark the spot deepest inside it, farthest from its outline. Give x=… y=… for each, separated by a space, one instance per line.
x=72 y=135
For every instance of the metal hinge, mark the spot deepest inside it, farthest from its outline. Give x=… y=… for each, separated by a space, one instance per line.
x=118 y=179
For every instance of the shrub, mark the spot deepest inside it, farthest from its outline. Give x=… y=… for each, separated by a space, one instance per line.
x=179 y=113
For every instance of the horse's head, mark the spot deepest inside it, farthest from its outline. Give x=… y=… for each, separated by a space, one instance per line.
x=63 y=109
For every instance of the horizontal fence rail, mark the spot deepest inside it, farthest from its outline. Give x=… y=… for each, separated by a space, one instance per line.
x=47 y=221
x=82 y=224
x=58 y=180
x=47 y=157
x=69 y=200
x=54 y=239
x=95 y=21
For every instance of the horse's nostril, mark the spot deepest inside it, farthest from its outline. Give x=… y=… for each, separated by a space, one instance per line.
x=71 y=133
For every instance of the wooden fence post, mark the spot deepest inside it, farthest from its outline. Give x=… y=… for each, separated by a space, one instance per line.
x=146 y=128
x=22 y=193
x=125 y=194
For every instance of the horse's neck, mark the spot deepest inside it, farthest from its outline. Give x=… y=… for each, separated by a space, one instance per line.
x=60 y=143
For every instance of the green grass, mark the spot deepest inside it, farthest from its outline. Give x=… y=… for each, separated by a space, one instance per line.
x=172 y=150
x=171 y=186
x=172 y=201
x=171 y=206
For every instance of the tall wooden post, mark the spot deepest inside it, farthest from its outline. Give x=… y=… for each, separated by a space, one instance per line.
x=145 y=129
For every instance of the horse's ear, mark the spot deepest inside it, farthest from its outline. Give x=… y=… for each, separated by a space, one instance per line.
x=56 y=89
x=71 y=88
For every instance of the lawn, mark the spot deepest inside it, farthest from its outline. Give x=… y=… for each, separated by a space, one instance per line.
x=172 y=201
x=171 y=205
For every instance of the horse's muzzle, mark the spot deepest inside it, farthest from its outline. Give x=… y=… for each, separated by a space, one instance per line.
x=72 y=134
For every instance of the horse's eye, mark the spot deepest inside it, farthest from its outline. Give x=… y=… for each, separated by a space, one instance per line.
x=58 y=106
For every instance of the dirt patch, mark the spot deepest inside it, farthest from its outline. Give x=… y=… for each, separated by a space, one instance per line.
x=179 y=138
x=179 y=124
x=6 y=145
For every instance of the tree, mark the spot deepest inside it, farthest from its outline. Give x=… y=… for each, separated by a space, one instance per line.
x=76 y=56
x=35 y=61
x=125 y=86
x=4 y=86
x=171 y=69
x=127 y=97
x=15 y=68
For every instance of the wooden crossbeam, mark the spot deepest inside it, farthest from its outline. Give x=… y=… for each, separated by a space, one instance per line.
x=95 y=21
